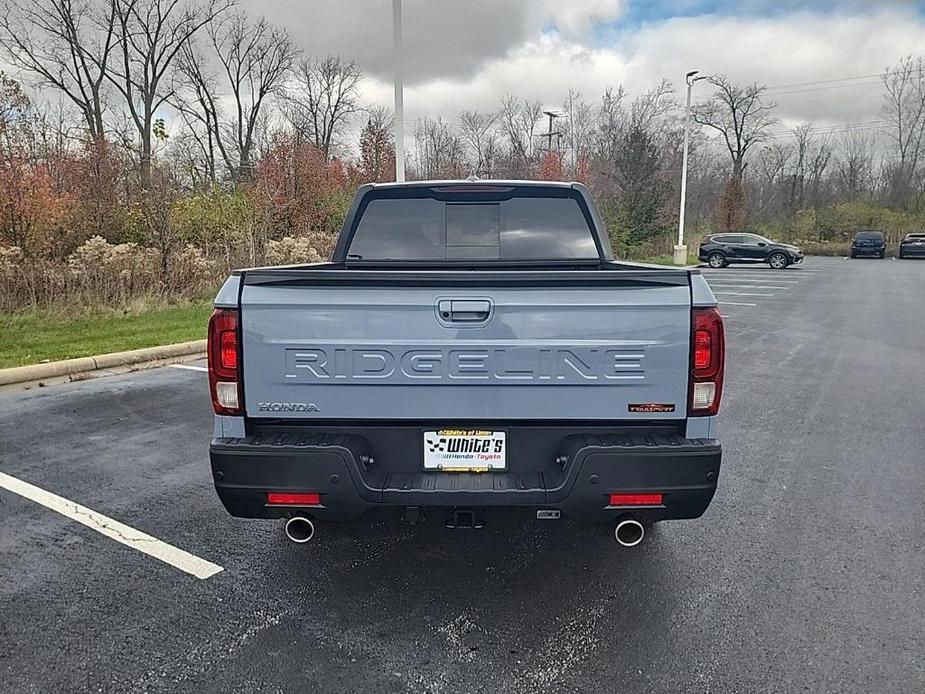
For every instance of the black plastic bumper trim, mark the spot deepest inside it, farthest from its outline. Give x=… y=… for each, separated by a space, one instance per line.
x=685 y=471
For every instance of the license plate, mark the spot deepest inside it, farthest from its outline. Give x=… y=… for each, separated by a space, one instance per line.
x=464 y=450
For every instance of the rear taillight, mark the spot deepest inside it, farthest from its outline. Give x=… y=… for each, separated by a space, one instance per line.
x=708 y=357
x=225 y=361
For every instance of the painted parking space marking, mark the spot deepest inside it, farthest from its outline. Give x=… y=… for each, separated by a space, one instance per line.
x=113 y=529
x=772 y=280
x=189 y=367
x=752 y=278
x=744 y=293
x=746 y=286
x=735 y=303
x=768 y=271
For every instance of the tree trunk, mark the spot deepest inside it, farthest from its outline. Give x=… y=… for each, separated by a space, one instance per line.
x=245 y=167
x=146 y=153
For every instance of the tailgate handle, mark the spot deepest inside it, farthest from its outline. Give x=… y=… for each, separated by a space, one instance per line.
x=464 y=310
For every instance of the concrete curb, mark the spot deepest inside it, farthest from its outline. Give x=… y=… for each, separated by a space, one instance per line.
x=69 y=368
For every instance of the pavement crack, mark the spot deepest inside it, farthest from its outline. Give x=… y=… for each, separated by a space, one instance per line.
x=102 y=524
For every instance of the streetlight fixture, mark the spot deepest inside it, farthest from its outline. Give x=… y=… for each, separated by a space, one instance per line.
x=680 y=251
x=399 y=96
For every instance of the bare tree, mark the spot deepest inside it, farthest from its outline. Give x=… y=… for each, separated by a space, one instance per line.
x=802 y=135
x=323 y=99
x=439 y=149
x=477 y=130
x=377 y=146
x=151 y=34
x=189 y=158
x=518 y=123
x=855 y=163
x=611 y=124
x=811 y=156
x=195 y=99
x=255 y=59
x=578 y=129
x=740 y=115
x=815 y=187
x=904 y=109
x=648 y=110
x=67 y=45
x=773 y=163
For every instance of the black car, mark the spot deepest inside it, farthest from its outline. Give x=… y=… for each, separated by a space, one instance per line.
x=913 y=246
x=870 y=243
x=720 y=250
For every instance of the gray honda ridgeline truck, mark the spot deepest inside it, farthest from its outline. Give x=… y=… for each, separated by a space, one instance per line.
x=473 y=345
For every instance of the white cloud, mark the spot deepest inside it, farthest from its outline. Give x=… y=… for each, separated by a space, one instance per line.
x=543 y=69
x=793 y=49
x=576 y=18
x=781 y=50
x=445 y=38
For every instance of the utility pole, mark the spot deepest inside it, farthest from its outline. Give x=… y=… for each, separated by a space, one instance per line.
x=680 y=251
x=552 y=116
x=399 y=96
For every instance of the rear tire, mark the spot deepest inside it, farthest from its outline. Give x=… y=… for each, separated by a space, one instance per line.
x=716 y=260
x=778 y=261
x=853 y=255
x=883 y=255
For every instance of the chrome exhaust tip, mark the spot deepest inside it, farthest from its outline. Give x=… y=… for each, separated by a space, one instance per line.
x=300 y=530
x=629 y=532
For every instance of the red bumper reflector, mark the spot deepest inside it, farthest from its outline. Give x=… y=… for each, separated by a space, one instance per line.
x=636 y=499
x=291 y=499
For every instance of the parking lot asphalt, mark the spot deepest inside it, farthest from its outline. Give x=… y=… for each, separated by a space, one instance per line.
x=807 y=573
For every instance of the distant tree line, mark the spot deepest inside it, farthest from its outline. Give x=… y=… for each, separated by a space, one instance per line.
x=202 y=137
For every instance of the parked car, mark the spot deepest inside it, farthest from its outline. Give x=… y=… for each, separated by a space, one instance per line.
x=871 y=243
x=719 y=250
x=471 y=346
x=913 y=246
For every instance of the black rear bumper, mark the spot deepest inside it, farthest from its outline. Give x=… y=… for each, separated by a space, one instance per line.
x=578 y=480
x=874 y=251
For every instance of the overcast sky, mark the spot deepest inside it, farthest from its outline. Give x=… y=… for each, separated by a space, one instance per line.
x=468 y=54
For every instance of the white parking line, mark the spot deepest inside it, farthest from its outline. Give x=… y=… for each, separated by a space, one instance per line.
x=737 y=278
x=735 y=303
x=766 y=276
x=767 y=271
x=726 y=278
x=744 y=293
x=190 y=367
x=745 y=286
x=128 y=536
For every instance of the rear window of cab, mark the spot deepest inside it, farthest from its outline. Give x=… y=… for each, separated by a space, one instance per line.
x=511 y=227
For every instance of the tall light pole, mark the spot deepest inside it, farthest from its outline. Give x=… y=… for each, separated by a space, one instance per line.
x=680 y=251
x=399 y=96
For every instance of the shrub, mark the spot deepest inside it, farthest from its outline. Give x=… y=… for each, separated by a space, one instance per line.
x=291 y=250
x=99 y=273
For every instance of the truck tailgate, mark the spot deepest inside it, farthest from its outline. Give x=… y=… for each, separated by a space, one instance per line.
x=344 y=346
